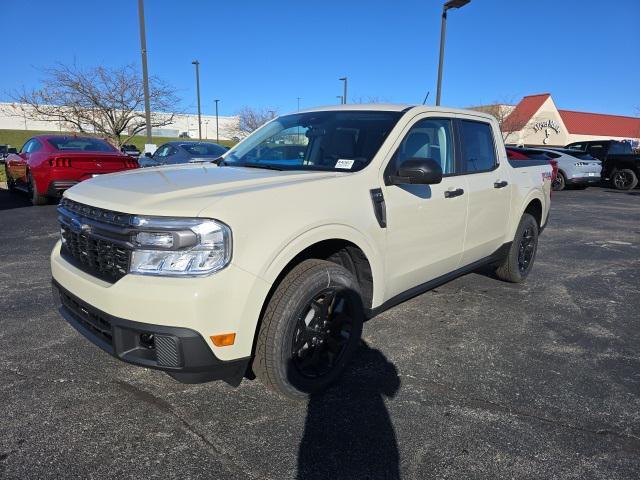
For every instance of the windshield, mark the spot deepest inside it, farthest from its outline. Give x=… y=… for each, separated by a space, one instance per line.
x=332 y=140
x=203 y=149
x=80 y=144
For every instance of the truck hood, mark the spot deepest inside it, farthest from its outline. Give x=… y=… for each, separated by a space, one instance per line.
x=180 y=190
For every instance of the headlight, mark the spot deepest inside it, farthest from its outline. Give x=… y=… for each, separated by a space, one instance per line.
x=180 y=247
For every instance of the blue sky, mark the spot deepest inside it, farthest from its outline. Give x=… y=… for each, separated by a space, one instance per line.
x=267 y=53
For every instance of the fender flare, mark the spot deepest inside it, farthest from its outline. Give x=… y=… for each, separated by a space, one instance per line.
x=535 y=195
x=305 y=239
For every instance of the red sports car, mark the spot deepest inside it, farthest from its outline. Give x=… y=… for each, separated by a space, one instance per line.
x=49 y=164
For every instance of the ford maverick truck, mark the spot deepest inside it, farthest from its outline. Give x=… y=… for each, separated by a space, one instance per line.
x=265 y=262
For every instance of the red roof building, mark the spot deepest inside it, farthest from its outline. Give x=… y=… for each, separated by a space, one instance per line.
x=537 y=121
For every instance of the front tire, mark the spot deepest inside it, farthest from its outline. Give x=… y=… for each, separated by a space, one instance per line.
x=559 y=183
x=310 y=329
x=624 y=179
x=35 y=196
x=516 y=266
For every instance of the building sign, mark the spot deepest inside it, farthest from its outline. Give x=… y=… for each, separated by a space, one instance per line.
x=546 y=124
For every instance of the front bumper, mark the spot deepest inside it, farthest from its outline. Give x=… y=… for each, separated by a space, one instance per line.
x=229 y=301
x=181 y=352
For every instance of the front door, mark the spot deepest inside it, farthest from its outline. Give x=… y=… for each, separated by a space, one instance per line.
x=425 y=223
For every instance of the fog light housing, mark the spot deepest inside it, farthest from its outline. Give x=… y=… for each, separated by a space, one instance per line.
x=147 y=340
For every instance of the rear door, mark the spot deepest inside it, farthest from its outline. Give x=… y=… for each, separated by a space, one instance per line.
x=425 y=223
x=489 y=188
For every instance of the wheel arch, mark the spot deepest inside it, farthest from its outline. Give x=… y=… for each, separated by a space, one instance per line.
x=326 y=243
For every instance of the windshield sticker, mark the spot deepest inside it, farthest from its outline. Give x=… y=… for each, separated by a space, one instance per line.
x=346 y=164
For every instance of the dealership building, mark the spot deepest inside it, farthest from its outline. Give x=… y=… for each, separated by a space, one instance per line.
x=536 y=120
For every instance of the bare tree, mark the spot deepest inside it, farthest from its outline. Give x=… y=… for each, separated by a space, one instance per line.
x=108 y=102
x=507 y=118
x=250 y=119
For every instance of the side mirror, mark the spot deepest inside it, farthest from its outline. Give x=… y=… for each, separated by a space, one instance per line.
x=12 y=150
x=148 y=154
x=423 y=171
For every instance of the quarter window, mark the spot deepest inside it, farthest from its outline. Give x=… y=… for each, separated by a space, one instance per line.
x=428 y=138
x=478 y=151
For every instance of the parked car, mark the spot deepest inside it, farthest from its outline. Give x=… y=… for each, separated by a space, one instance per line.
x=131 y=150
x=519 y=153
x=268 y=267
x=576 y=168
x=620 y=166
x=5 y=150
x=182 y=152
x=49 y=164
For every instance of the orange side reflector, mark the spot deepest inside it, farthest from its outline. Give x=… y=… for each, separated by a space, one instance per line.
x=223 y=340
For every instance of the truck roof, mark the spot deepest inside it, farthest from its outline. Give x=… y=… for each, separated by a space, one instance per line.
x=393 y=107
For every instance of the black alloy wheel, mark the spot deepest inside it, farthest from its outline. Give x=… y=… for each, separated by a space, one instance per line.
x=526 y=249
x=624 y=179
x=322 y=333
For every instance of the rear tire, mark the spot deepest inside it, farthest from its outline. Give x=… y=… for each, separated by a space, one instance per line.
x=559 y=183
x=624 y=179
x=310 y=329
x=11 y=183
x=518 y=263
x=35 y=196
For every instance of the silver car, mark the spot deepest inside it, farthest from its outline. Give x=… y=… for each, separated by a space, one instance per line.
x=576 y=168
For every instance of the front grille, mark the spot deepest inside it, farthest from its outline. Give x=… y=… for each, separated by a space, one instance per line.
x=96 y=324
x=95 y=240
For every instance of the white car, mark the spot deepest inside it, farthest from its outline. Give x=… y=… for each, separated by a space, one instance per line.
x=576 y=168
x=267 y=264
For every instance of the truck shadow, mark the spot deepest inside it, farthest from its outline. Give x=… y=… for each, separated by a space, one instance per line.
x=348 y=431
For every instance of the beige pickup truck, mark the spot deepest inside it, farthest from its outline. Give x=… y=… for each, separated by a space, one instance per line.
x=266 y=262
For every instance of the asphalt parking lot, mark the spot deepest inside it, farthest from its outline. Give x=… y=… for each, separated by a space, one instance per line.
x=476 y=379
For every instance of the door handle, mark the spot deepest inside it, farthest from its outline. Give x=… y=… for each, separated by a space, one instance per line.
x=501 y=184
x=453 y=193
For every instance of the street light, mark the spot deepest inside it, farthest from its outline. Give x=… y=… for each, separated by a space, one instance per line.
x=447 y=6
x=341 y=98
x=298 y=103
x=344 y=95
x=217 y=131
x=197 y=64
x=145 y=73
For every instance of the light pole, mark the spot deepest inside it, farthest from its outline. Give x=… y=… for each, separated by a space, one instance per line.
x=145 y=73
x=447 y=6
x=197 y=64
x=344 y=95
x=341 y=98
x=298 y=103
x=217 y=131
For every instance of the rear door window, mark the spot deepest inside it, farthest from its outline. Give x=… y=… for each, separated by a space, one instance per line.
x=478 y=147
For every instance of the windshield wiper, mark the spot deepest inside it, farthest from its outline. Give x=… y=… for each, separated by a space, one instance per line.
x=266 y=166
